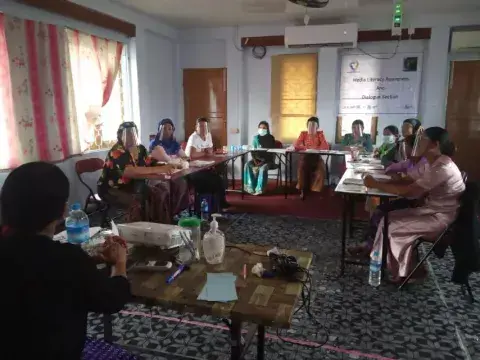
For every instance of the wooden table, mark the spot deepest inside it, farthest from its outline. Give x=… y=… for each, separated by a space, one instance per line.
x=261 y=302
x=349 y=193
x=216 y=160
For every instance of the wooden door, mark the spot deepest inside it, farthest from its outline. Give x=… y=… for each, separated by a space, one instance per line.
x=463 y=115
x=205 y=94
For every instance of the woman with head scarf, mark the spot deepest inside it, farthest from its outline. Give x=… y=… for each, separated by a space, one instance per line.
x=311 y=167
x=122 y=181
x=440 y=186
x=164 y=146
x=357 y=137
x=256 y=170
x=49 y=285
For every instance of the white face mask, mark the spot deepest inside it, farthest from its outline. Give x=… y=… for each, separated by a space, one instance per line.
x=388 y=139
x=262 y=132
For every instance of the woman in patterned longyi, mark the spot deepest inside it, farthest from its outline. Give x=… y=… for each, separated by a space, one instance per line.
x=127 y=161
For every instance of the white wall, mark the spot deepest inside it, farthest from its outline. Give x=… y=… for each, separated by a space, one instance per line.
x=249 y=78
x=154 y=70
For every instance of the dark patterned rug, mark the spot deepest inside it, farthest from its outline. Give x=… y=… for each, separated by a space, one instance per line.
x=425 y=321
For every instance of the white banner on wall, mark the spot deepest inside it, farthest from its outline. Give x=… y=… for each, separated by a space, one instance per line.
x=380 y=86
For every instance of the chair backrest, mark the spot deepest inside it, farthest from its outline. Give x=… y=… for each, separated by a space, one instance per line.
x=88 y=165
x=278 y=144
x=464 y=176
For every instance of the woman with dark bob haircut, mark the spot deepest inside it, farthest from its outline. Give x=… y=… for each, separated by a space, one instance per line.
x=48 y=287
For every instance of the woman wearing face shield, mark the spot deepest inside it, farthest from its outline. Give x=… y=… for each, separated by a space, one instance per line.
x=126 y=161
x=199 y=145
x=311 y=168
x=357 y=137
x=440 y=186
x=256 y=170
x=165 y=148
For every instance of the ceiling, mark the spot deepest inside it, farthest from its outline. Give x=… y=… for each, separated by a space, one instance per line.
x=214 y=13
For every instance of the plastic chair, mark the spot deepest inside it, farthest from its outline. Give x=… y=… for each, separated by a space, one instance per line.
x=278 y=164
x=90 y=166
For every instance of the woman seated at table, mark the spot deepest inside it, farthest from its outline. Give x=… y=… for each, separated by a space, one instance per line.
x=410 y=127
x=165 y=148
x=440 y=185
x=358 y=138
x=311 y=167
x=408 y=169
x=49 y=287
x=256 y=170
x=387 y=151
x=126 y=161
x=200 y=145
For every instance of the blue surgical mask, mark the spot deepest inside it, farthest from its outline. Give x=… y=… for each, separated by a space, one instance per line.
x=388 y=139
x=262 y=132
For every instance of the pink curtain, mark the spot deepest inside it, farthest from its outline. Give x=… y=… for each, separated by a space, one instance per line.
x=95 y=64
x=39 y=118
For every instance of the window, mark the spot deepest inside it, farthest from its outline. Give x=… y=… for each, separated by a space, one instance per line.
x=465 y=40
x=93 y=61
x=294 y=93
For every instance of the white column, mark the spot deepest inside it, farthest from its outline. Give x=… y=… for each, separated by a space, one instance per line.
x=143 y=88
x=435 y=78
x=327 y=91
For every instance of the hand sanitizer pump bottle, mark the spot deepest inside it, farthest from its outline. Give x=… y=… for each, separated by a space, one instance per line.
x=214 y=243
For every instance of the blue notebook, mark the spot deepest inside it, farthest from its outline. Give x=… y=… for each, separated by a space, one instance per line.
x=220 y=287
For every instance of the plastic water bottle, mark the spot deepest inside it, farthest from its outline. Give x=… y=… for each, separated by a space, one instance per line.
x=375 y=274
x=204 y=210
x=78 y=225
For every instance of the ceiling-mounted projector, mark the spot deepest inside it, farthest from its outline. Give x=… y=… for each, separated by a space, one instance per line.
x=316 y=4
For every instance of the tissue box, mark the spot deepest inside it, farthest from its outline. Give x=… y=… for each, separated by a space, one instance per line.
x=146 y=233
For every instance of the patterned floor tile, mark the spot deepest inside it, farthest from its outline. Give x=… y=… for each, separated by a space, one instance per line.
x=362 y=322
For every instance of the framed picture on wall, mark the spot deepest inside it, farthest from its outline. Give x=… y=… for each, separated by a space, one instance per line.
x=344 y=126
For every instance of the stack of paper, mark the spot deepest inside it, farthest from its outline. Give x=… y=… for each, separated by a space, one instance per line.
x=220 y=287
x=353 y=181
x=201 y=163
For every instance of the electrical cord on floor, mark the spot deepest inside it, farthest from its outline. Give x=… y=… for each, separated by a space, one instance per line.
x=288 y=266
x=162 y=340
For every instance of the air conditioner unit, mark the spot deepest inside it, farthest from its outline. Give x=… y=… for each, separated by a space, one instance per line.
x=339 y=35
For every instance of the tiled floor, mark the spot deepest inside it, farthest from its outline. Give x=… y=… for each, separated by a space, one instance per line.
x=426 y=321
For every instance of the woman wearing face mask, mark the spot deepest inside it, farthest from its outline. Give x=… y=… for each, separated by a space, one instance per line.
x=256 y=170
x=311 y=167
x=386 y=151
x=358 y=137
x=126 y=161
x=441 y=184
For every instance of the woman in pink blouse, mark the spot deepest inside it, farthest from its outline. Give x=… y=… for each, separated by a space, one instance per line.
x=311 y=167
x=440 y=185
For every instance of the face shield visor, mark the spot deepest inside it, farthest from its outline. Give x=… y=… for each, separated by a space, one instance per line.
x=129 y=136
x=357 y=130
x=165 y=132
x=421 y=143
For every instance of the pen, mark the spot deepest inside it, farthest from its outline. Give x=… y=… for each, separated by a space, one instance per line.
x=244 y=271
x=172 y=277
